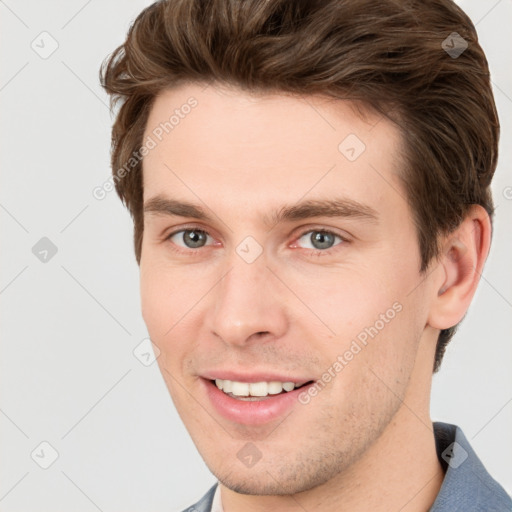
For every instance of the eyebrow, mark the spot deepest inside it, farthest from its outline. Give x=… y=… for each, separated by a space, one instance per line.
x=337 y=207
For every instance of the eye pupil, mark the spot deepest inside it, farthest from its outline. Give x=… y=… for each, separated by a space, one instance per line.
x=194 y=238
x=321 y=240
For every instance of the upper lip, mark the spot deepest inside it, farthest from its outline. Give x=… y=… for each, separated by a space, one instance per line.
x=253 y=377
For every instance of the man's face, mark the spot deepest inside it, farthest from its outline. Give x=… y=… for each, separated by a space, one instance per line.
x=303 y=267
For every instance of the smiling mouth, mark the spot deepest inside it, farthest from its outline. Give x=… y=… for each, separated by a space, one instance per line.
x=254 y=391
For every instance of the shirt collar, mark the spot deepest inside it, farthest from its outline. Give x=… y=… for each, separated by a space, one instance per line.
x=467 y=485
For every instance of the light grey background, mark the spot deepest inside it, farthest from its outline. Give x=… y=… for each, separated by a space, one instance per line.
x=69 y=325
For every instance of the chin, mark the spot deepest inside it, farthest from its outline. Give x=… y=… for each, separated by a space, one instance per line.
x=272 y=481
x=260 y=487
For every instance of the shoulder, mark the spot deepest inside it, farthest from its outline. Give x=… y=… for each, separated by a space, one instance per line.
x=205 y=503
x=467 y=485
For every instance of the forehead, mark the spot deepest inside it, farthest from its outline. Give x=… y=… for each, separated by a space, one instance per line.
x=217 y=142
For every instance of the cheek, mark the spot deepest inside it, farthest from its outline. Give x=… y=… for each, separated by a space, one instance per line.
x=369 y=317
x=162 y=309
x=164 y=298
x=171 y=309
x=348 y=300
x=154 y=300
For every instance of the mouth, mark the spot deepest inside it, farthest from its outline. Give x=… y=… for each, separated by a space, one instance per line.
x=255 y=391
x=255 y=403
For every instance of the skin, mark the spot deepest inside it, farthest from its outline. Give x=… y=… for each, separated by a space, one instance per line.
x=366 y=440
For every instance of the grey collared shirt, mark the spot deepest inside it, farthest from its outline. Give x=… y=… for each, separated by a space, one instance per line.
x=467 y=486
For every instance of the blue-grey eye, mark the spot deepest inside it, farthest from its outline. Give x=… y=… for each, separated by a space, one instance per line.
x=319 y=240
x=190 y=238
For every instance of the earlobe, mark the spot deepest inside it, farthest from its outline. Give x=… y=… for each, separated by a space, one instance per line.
x=460 y=267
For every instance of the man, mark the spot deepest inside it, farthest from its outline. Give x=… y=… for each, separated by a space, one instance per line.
x=309 y=183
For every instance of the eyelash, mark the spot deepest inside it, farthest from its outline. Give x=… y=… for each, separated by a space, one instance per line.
x=314 y=252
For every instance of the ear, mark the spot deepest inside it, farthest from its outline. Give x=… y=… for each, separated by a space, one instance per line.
x=459 y=268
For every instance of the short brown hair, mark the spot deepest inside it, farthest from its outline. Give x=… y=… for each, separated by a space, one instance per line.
x=393 y=55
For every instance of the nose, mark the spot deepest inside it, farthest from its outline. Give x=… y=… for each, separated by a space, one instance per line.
x=246 y=305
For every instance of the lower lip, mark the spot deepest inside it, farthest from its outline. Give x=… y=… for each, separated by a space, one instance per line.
x=251 y=412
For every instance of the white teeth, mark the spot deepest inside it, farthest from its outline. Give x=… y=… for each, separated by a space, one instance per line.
x=288 y=386
x=258 y=389
x=240 y=388
x=274 y=388
x=254 y=388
